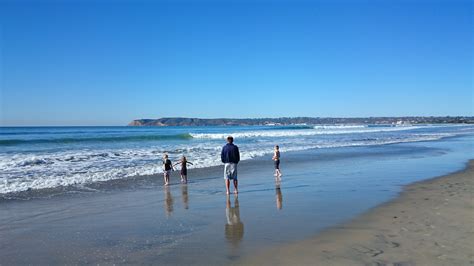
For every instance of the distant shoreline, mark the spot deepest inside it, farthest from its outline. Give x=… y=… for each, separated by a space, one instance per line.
x=302 y=121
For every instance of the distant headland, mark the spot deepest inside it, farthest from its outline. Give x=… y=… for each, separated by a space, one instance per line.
x=182 y=121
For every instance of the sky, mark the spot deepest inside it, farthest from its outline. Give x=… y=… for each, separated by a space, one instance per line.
x=108 y=62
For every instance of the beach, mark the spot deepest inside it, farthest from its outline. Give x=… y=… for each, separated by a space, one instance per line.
x=137 y=220
x=236 y=133
x=430 y=223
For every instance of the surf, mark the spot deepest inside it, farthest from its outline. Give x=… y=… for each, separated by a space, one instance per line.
x=71 y=140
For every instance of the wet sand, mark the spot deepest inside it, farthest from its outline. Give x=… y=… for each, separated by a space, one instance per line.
x=431 y=223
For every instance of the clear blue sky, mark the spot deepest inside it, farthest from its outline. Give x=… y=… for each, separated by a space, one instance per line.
x=108 y=62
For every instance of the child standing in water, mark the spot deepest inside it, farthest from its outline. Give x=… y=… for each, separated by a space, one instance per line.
x=167 y=167
x=184 y=169
x=276 y=158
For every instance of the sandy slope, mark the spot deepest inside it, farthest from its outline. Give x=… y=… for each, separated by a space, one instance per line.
x=431 y=223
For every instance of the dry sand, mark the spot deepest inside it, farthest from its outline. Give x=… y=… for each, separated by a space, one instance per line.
x=431 y=223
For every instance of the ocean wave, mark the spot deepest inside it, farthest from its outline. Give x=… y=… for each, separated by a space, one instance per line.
x=280 y=131
x=70 y=130
x=69 y=140
x=33 y=161
x=297 y=133
x=294 y=127
x=339 y=126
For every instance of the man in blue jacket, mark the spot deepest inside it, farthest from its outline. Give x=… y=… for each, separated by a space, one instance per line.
x=230 y=156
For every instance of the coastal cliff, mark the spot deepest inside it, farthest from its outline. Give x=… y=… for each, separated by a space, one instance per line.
x=181 y=121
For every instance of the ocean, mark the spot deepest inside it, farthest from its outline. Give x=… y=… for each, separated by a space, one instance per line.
x=35 y=158
x=95 y=195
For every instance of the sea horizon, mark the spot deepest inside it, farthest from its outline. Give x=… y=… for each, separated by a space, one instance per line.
x=433 y=119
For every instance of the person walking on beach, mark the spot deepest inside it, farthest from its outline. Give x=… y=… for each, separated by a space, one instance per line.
x=184 y=169
x=276 y=159
x=167 y=168
x=230 y=156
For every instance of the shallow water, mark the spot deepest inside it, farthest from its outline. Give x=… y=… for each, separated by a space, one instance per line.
x=54 y=157
x=195 y=224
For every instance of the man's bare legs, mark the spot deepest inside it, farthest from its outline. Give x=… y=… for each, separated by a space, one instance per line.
x=227 y=186
x=236 y=183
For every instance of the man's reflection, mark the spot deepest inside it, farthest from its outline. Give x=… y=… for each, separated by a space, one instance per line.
x=184 y=195
x=234 y=228
x=279 y=196
x=168 y=201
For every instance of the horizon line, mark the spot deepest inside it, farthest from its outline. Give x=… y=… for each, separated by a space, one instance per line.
x=255 y=118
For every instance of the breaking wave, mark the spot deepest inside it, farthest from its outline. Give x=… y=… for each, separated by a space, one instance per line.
x=295 y=133
x=6 y=142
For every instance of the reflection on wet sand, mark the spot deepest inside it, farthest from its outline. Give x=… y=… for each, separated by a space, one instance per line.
x=279 y=196
x=184 y=195
x=234 y=228
x=168 y=201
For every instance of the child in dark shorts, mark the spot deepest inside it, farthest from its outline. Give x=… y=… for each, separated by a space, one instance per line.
x=184 y=169
x=167 y=168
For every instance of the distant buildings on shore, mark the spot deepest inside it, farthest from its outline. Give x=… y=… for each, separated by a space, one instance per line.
x=283 y=121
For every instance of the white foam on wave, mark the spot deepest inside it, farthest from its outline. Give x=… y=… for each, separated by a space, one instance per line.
x=297 y=133
x=22 y=171
x=339 y=126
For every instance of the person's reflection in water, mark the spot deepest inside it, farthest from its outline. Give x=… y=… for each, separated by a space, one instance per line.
x=168 y=201
x=234 y=228
x=184 y=195
x=279 y=196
